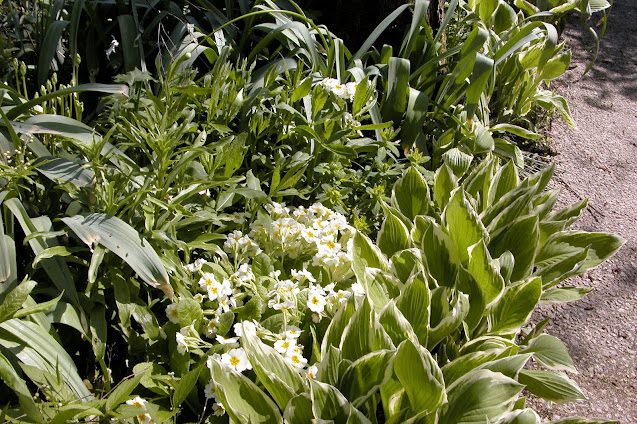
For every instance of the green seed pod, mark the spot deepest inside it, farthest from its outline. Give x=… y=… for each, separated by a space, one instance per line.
x=23 y=68
x=54 y=78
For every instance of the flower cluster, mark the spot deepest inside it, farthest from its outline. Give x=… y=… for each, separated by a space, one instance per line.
x=344 y=91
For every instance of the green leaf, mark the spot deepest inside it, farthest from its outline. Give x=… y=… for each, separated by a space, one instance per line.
x=414 y=303
x=457 y=160
x=393 y=235
x=186 y=384
x=120 y=238
x=479 y=396
x=556 y=66
x=564 y=294
x=448 y=309
x=65 y=171
x=334 y=332
x=489 y=280
x=396 y=325
x=552 y=386
x=601 y=246
x=505 y=180
x=568 y=266
x=405 y=264
x=301 y=90
x=278 y=377
x=48 y=49
x=397 y=92
x=122 y=391
x=462 y=365
x=482 y=72
x=516 y=130
x=550 y=352
x=242 y=399
x=15 y=298
x=515 y=307
x=521 y=238
x=299 y=410
x=444 y=183
x=410 y=194
x=439 y=252
x=412 y=127
x=366 y=254
x=465 y=228
x=329 y=404
x=524 y=416
x=509 y=366
x=364 y=376
x=363 y=334
x=421 y=377
x=19 y=387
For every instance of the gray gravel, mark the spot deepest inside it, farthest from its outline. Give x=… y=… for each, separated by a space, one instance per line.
x=598 y=160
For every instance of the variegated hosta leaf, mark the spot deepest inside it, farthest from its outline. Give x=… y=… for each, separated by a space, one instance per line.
x=465 y=228
x=364 y=376
x=411 y=194
x=552 y=386
x=363 y=334
x=515 y=306
x=550 y=352
x=330 y=404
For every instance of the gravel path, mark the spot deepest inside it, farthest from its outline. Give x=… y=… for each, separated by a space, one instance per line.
x=598 y=160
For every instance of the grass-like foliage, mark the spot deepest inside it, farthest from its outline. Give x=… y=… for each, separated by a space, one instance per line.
x=256 y=224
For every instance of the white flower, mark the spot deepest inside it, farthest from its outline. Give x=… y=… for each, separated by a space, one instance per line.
x=293 y=332
x=212 y=327
x=196 y=265
x=209 y=391
x=358 y=289
x=145 y=419
x=311 y=372
x=236 y=359
x=316 y=301
x=302 y=275
x=296 y=360
x=218 y=409
x=249 y=327
x=111 y=49
x=199 y=297
x=172 y=313
x=182 y=347
x=208 y=280
x=225 y=303
x=217 y=290
x=280 y=306
x=350 y=88
x=285 y=346
x=231 y=341
x=137 y=402
x=316 y=317
x=275 y=274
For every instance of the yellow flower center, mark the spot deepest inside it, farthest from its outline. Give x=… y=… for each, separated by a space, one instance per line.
x=234 y=361
x=295 y=359
x=315 y=300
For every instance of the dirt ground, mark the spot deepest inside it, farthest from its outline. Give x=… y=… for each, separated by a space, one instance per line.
x=598 y=160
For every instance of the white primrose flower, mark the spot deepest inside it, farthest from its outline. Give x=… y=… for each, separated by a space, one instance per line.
x=111 y=48
x=302 y=275
x=232 y=241
x=199 y=297
x=207 y=280
x=196 y=265
x=236 y=360
x=172 y=313
x=243 y=327
x=312 y=371
x=137 y=402
x=210 y=392
x=231 y=341
x=316 y=301
x=285 y=346
x=226 y=303
x=145 y=419
x=351 y=87
x=296 y=360
x=189 y=329
x=218 y=409
x=239 y=218
x=182 y=346
x=275 y=274
x=276 y=304
x=211 y=327
x=358 y=289
x=310 y=235
x=293 y=332
x=218 y=291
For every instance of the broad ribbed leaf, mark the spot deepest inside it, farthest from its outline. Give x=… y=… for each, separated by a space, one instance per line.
x=414 y=304
x=242 y=399
x=509 y=366
x=121 y=239
x=439 y=252
x=447 y=314
x=329 y=404
x=457 y=160
x=466 y=363
x=337 y=326
x=363 y=334
x=550 y=352
x=444 y=183
x=525 y=416
x=65 y=171
x=299 y=410
x=396 y=325
x=505 y=180
x=601 y=246
x=521 y=238
x=562 y=269
x=411 y=194
x=465 y=228
x=393 y=235
x=411 y=129
x=565 y=294
x=364 y=376
x=487 y=277
x=397 y=93
x=515 y=306
x=421 y=377
x=406 y=263
x=478 y=396
x=552 y=386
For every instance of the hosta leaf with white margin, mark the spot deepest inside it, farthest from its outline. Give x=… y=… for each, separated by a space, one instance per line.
x=396 y=325
x=364 y=376
x=299 y=410
x=462 y=365
x=35 y=347
x=552 y=386
x=564 y=294
x=568 y=266
x=477 y=183
x=439 y=252
x=411 y=194
x=241 y=398
x=506 y=263
x=457 y=160
x=509 y=366
x=515 y=306
x=550 y=352
x=521 y=206
x=601 y=246
x=521 y=238
x=421 y=377
x=468 y=285
x=506 y=200
x=337 y=326
x=120 y=238
x=330 y=404
x=366 y=254
x=486 y=275
x=363 y=334
x=524 y=416
x=578 y=420
x=504 y=180
x=393 y=235
x=448 y=309
x=278 y=377
x=380 y=286
x=414 y=303
x=406 y=263
x=463 y=224
x=478 y=396
x=444 y=183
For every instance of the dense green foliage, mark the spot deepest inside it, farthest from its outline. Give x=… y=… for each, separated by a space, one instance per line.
x=254 y=223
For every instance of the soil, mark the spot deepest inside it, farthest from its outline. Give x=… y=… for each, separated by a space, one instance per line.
x=598 y=160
